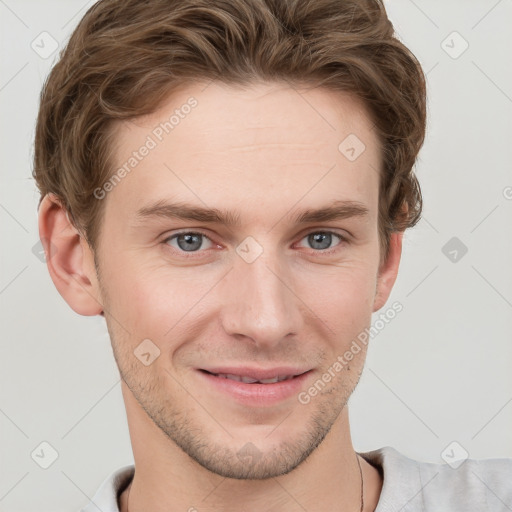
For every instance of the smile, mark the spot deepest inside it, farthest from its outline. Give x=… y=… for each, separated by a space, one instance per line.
x=250 y=380
x=255 y=387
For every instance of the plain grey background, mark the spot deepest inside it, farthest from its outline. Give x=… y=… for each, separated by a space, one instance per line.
x=438 y=374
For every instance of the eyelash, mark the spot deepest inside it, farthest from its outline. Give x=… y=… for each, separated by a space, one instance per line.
x=343 y=241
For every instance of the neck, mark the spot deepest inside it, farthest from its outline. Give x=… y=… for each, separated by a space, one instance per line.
x=167 y=479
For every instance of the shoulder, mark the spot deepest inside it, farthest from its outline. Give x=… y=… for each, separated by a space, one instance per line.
x=106 y=497
x=471 y=485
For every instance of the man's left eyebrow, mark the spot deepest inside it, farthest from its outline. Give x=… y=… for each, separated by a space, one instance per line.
x=338 y=210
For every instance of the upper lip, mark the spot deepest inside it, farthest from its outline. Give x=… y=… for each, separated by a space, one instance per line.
x=257 y=373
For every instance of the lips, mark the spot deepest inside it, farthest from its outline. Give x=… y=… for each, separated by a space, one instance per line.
x=255 y=387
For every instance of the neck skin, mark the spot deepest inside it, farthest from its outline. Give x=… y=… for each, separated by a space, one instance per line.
x=167 y=479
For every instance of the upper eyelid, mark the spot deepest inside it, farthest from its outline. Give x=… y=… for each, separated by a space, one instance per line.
x=328 y=231
x=188 y=232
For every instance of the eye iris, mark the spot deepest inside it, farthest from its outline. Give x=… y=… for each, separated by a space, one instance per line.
x=192 y=241
x=320 y=238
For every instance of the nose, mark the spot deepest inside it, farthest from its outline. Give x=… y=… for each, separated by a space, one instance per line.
x=259 y=301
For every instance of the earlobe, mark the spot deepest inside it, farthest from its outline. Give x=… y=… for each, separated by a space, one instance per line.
x=388 y=271
x=68 y=258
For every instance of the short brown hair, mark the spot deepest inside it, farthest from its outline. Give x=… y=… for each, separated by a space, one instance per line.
x=126 y=56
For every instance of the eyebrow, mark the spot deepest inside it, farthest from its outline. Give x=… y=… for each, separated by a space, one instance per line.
x=337 y=210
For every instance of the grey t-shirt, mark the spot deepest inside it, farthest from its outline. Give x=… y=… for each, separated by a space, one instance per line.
x=408 y=485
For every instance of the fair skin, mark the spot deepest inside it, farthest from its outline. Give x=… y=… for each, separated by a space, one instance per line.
x=266 y=153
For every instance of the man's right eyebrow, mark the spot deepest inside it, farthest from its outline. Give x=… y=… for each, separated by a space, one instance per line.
x=337 y=210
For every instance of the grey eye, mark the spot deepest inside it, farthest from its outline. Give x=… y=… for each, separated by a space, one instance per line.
x=188 y=242
x=321 y=240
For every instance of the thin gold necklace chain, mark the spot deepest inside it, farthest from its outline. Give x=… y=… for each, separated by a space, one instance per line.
x=362 y=483
x=360 y=474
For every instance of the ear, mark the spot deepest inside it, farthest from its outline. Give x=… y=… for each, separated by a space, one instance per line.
x=388 y=271
x=69 y=258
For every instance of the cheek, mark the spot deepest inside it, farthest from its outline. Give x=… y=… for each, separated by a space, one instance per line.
x=138 y=299
x=350 y=281
x=343 y=298
x=156 y=301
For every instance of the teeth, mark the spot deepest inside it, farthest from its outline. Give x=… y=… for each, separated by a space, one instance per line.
x=269 y=381
x=250 y=380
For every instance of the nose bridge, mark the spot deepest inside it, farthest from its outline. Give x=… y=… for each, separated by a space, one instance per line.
x=261 y=303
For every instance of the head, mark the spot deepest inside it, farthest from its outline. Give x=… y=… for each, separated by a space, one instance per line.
x=182 y=148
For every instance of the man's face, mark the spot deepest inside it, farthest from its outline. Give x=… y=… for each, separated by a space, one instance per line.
x=267 y=293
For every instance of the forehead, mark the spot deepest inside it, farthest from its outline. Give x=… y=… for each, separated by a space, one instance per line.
x=213 y=143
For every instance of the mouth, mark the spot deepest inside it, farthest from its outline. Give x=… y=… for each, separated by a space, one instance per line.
x=251 y=380
x=255 y=387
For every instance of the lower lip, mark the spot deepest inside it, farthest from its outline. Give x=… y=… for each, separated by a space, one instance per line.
x=257 y=394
